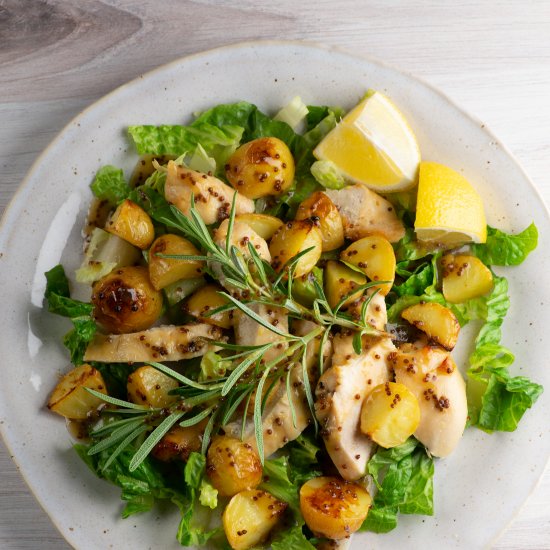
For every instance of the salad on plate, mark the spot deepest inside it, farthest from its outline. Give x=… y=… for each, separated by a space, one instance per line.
x=273 y=308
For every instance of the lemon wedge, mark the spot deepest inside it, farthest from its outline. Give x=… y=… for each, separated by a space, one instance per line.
x=448 y=209
x=373 y=145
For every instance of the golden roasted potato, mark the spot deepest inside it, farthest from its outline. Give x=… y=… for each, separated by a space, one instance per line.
x=262 y=224
x=464 y=277
x=131 y=223
x=264 y=166
x=125 y=300
x=180 y=442
x=375 y=256
x=340 y=281
x=165 y=271
x=206 y=299
x=232 y=466
x=250 y=516
x=332 y=507
x=321 y=208
x=70 y=398
x=437 y=321
x=290 y=239
x=149 y=386
x=390 y=414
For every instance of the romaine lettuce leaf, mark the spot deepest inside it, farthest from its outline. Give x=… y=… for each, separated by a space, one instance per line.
x=278 y=483
x=302 y=462
x=506 y=249
x=326 y=173
x=496 y=400
x=417 y=282
x=291 y=539
x=140 y=488
x=293 y=113
x=59 y=301
x=404 y=476
x=109 y=184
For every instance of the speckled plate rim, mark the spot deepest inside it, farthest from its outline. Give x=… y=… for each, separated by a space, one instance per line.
x=15 y=205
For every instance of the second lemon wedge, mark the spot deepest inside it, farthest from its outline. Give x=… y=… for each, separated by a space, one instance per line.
x=373 y=145
x=448 y=209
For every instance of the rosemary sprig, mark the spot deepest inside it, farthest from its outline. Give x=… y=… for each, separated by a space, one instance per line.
x=247 y=280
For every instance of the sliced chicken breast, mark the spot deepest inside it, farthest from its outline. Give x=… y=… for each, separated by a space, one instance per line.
x=340 y=394
x=250 y=333
x=366 y=213
x=164 y=343
x=213 y=198
x=432 y=375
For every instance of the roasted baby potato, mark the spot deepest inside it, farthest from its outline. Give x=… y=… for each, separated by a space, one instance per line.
x=131 y=223
x=149 y=386
x=437 y=321
x=232 y=466
x=70 y=398
x=180 y=442
x=290 y=239
x=321 y=208
x=262 y=224
x=207 y=299
x=165 y=271
x=126 y=301
x=250 y=516
x=464 y=277
x=340 y=281
x=390 y=414
x=332 y=507
x=264 y=166
x=374 y=255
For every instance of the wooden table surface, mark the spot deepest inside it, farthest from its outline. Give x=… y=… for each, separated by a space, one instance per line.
x=57 y=57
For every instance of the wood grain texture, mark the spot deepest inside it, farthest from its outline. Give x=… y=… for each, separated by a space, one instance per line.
x=57 y=57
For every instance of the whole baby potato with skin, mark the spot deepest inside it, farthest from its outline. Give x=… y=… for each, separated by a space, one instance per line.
x=125 y=300
x=232 y=466
x=264 y=166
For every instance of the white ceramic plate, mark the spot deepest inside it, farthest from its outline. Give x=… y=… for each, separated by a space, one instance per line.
x=477 y=490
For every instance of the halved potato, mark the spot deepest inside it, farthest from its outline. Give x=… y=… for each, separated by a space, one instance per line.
x=464 y=277
x=340 y=281
x=437 y=321
x=165 y=271
x=262 y=224
x=390 y=414
x=70 y=398
x=250 y=516
x=332 y=507
x=149 y=386
x=321 y=207
x=207 y=299
x=232 y=466
x=375 y=256
x=290 y=239
x=131 y=223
